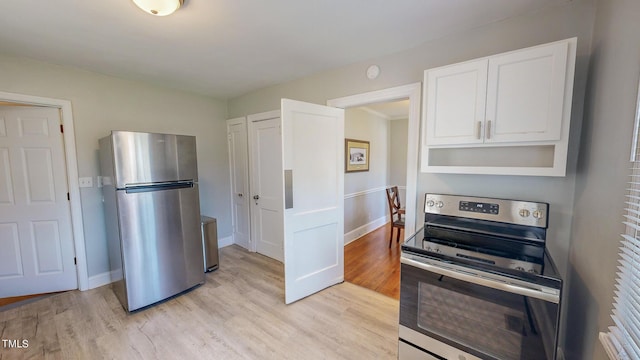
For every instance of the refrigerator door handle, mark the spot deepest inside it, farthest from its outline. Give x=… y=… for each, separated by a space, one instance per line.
x=158 y=186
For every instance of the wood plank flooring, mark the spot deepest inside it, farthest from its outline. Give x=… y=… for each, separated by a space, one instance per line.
x=369 y=262
x=239 y=313
x=16 y=299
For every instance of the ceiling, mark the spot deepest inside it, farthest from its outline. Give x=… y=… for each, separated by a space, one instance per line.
x=227 y=48
x=393 y=110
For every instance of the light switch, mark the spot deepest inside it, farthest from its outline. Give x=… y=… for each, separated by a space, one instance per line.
x=85 y=182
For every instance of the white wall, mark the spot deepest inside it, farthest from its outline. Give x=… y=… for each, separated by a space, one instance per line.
x=101 y=104
x=602 y=174
x=365 y=198
x=571 y=19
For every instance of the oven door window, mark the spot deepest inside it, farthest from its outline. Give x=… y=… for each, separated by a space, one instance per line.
x=482 y=321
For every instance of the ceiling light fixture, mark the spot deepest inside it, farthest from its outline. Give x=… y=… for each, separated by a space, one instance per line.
x=159 y=7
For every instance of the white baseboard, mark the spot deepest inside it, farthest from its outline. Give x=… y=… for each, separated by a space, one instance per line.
x=99 y=280
x=364 y=229
x=225 y=241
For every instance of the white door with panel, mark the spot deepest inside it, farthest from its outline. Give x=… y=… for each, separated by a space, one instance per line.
x=314 y=197
x=239 y=172
x=267 y=198
x=36 y=241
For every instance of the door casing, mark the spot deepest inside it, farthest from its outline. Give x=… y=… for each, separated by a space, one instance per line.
x=66 y=117
x=413 y=93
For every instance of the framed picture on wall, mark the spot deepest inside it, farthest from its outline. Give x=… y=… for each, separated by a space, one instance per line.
x=356 y=155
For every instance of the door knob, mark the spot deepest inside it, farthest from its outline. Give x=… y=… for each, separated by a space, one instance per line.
x=256 y=197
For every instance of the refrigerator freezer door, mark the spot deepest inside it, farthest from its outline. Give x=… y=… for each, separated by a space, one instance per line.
x=144 y=158
x=161 y=243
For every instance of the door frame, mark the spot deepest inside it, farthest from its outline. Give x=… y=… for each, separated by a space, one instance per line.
x=413 y=93
x=77 y=225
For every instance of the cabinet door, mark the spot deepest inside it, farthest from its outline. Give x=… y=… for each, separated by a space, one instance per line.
x=525 y=94
x=455 y=103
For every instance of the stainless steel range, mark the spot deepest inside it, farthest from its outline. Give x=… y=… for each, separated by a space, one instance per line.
x=478 y=283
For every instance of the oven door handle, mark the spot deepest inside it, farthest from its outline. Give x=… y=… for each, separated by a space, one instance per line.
x=493 y=281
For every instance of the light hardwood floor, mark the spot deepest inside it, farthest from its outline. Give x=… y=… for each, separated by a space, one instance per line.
x=369 y=262
x=239 y=313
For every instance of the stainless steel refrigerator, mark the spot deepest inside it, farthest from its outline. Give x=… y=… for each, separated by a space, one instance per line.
x=152 y=215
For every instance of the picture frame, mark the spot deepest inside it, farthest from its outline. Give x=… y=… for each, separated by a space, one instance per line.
x=356 y=155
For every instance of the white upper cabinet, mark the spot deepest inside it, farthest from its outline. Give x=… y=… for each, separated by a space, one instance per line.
x=502 y=114
x=512 y=97
x=456 y=97
x=525 y=94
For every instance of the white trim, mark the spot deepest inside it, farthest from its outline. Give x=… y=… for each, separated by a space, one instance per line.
x=267 y=115
x=370 y=191
x=66 y=117
x=101 y=279
x=364 y=192
x=411 y=91
x=225 y=241
x=365 y=229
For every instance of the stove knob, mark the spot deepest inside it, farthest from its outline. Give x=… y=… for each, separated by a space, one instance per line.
x=524 y=213
x=440 y=204
x=533 y=271
x=519 y=268
x=430 y=203
x=538 y=214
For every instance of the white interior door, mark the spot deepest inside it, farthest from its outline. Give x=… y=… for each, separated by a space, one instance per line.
x=313 y=138
x=36 y=242
x=239 y=170
x=267 y=199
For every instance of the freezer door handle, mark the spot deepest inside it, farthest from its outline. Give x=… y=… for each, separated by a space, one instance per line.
x=158 y=186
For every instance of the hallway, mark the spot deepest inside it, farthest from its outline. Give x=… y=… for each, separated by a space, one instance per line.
x=370 y=263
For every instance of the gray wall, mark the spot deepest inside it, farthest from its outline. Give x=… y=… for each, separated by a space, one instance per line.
x=602 y=173
x=364 y=208
x=398 y=129
x=571 y=19
x=554 y=23
x=101 y=104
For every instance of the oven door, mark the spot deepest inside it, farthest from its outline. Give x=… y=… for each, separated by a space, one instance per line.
x=452 y=311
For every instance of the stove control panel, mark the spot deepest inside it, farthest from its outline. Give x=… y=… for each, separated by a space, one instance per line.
x=479 y=207
x=502 y=210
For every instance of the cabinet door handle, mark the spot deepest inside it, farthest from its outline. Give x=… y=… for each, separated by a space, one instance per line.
x=478 y=129
x=488 y=130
